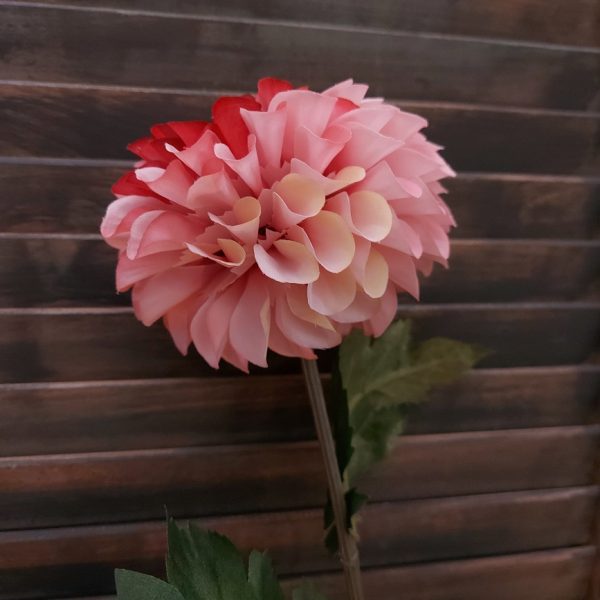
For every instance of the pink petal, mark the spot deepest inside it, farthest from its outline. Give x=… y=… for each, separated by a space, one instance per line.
x=366 y=148
x=227 y=253
x=210 y=326
x=370 y=269
x=381 y=179
x=331 y=240
x=243 y=221
x=303 y=332
x=372 y=117
x=330 y=184
x=433 y=237
x=403 y=125
x=174 y=183
x=160 y=231
x=199 y=154
x=287 y=262
x=388 y=307
x=403 y=271
x=177 y=321
x=367 y=213
x=155 y=296
x=250 y=321
x=120 y=215
x=362 y=308
x=282 y=345
x=247 y=167
x=212 y=193
x=132 y=271
x=318 y=151
x=294 y=199
x=332 y=292
x=268 y=128
x=404 y=238
x=349 y=90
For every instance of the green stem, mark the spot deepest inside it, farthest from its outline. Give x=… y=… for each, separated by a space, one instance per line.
x=348 y=549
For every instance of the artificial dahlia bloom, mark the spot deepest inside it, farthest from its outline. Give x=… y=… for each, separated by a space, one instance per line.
x=289 y=219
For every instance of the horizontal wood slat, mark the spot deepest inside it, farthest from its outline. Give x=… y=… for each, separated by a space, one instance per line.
x=546 y=575
x=79 y=489
x=71 y=46
x=41 y=271
x=74 y=417
x=397 y=533
x=72 y=123
x=73 y=345
x=72 y=199
x=565 y=22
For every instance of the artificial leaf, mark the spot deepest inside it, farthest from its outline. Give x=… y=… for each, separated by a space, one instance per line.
x=378 y=381
x=137 y=586
x=307 y=591
x=354 y=501
x=205 y=565
x=262 y=578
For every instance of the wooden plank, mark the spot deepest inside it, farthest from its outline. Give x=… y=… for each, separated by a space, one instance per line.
x=546 y=575
x=70 y=271
x=145 y=49
x=533 y=141
x=81 y=560
x=60 y=490
x=83 y=344
x=64 y=198
x=563 y=23
x=162 y=413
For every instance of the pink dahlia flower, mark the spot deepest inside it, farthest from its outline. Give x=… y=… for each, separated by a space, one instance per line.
x=289 y=219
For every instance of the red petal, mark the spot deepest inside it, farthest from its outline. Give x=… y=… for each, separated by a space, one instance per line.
x=130 y=185
x=150 y=149
x=188 y=131
x=229 y=122
x=268 y=87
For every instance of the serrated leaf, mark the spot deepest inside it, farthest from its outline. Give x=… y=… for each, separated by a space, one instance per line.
x=137 y=586
x=380 y=380
x=262 y=578
x=205 y=565
x=354 y=502
x=307 y=591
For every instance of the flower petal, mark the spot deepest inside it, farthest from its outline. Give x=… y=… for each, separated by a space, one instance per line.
x=294 y=199
x=287 y=262
x=402 y=270
x=331 y=240
x=212 y=193
x=330 y=184
x=243 y=220
x=332 y=292
x=247 y=167
x=227 y=253
x=251 y=320
x=173 y=184
x=319 y=151
x=268 y=128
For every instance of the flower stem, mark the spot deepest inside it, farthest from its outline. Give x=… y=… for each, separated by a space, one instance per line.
x=347 y=544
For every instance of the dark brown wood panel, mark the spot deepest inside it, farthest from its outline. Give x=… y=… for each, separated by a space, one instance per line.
x=72 y=199
x=476 y=138
x=75 y=417
x=405 y=532
x=73 y=46
x=84 y=344
x=531 y=20
x=63 y=490
x=70 y=271
x=543 y=575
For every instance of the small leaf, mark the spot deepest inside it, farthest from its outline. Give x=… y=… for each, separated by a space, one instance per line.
x=307 y=591
x=380 y=380
x=262 y=577
x=205 y=565
x=137 y=586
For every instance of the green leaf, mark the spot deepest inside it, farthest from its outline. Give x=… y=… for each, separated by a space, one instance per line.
x=205 y=565
x=137 y=586
x=380 y=380
x=262 y=577
x=307 y=591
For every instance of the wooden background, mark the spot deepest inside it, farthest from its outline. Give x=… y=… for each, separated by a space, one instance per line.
x=493 y=494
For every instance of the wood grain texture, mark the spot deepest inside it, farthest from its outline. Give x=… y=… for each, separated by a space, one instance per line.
x=72 y=199
x=391 y=533
x=529 y=20
x=73 y=46
x=61 y=122
x=545 y=575
x=66 y=490
x=91 y=344
x=70 y=271
x=75 y=417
